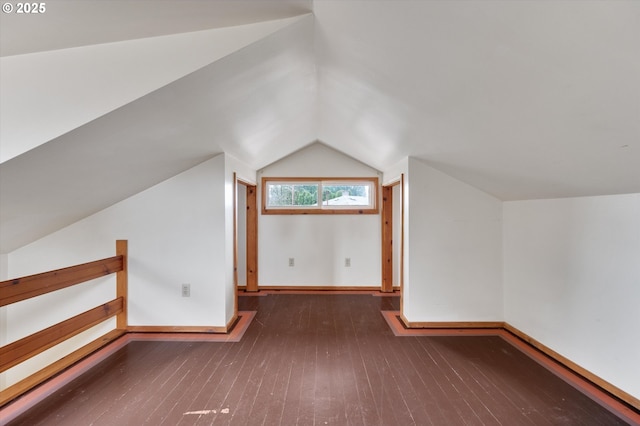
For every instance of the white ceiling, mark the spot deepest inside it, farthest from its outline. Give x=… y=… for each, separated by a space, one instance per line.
x=527 y=99
x=74 y=23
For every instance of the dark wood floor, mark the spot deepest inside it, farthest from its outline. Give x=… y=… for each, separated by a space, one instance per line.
x=320 y=360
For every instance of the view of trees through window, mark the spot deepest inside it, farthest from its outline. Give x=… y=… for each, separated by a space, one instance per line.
x=293 y=195
x=280 y=194
x=319 y=195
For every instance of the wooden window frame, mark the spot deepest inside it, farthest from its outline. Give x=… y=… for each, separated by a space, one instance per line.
x=320 y=209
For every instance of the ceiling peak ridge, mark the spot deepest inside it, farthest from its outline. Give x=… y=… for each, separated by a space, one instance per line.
x=318 y=142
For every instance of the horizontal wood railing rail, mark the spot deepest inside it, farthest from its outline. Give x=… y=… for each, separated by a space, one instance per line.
x=23 y=349
x=19 y=289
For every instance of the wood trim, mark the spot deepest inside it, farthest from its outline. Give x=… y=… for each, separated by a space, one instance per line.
x=235 y=243
x=452 y=324
x=401 y=266
x=404 y=319
x=122 y=283
x=252 y=238
x=245 y=182
x=318 y=210
x=398 y=328
x=176 y=329
x=23 y=288
x=581 y=371
x=76 y=363
x=387 y=239
x=373 y=179
x=503 y=327
x=231 y=322
x=318 y=288
x=14 y=391
x=25 y=348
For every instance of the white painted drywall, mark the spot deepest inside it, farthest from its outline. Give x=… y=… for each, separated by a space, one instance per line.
x=63 y=89
x=319 y=243
x=572 y=280
x=178 y=233
x=454 y=255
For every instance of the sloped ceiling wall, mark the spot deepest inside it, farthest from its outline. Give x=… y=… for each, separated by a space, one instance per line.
x=528 y=99
x=257 y=104
x=525 y=99
x=68 y=88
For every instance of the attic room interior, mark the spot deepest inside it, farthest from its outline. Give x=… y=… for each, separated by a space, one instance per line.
x=491 y=276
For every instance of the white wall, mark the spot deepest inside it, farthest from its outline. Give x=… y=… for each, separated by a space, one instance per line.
x=572 y=280
x=453 y=249
x=178 y=233
x=319 y=243
x=67 y=88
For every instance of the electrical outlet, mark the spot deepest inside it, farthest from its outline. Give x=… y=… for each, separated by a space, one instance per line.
x=291 y=261
x=347 y=262
x=186 y=290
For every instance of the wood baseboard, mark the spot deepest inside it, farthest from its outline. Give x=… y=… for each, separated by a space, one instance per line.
x=560 y=359
x=175 y=329
x=579 y=370
x=182 y=328
x=313 y=288
x=453 y=324
x=616 y=400
x=318 y=288
x=62 y=364
x=231 y=322
x=18 y=400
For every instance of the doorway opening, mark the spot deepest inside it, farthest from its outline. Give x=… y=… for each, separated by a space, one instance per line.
x=392 y=236
x=246 y=236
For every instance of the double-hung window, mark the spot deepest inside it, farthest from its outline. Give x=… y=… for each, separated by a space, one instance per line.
x=319 y=195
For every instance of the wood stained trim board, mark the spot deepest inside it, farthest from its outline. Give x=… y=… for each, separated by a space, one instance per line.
x=580 y=378
x=22 y=403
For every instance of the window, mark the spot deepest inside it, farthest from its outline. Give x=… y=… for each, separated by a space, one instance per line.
x=319 y=195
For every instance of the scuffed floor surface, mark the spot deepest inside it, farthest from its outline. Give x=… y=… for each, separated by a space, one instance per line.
x=310 y=359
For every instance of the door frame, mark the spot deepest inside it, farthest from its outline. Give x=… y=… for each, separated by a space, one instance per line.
x=251 y=234
x=387 y=251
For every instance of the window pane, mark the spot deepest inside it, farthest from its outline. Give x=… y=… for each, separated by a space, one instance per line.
x=292 y=195
x=341 y=194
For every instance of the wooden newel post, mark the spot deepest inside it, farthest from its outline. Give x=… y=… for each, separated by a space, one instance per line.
x=122 y=283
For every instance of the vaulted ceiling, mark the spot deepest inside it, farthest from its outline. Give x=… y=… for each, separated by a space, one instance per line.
x=102 y=99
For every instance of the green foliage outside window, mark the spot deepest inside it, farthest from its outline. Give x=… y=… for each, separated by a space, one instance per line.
x=312 y=196
x=293 y=195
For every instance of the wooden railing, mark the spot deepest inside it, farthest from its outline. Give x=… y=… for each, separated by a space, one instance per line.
x=19 y=289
